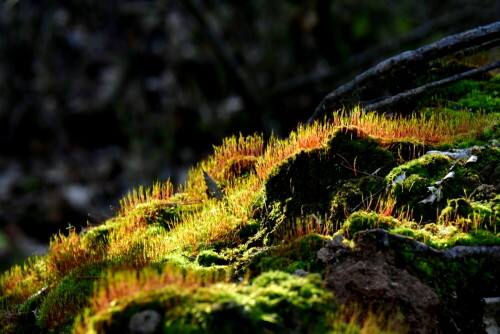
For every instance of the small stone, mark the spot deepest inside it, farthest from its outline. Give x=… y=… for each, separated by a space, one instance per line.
x=333 y=249
x=145 y=322
x=491 y=315
x=301 y=273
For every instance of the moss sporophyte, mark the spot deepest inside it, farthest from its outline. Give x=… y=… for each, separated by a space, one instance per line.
x=243 y=256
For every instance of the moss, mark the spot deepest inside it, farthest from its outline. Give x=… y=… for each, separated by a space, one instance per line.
x=307 y=182
x=356 y=194
x=165 y=215
x=446 y=277
x=97 y=237
x=208 y=258
x=410 y=190
x=432 y=167
x=239 y=167
x=364 y=220
x=68 y=298
x=271 y=200
x=299 y=254
x=442 y=236
x=477 y=237
x=487 y=164
x=409 y=186
x=406 y=150
x=470 y=95
x=469 y=215
x=273 y=302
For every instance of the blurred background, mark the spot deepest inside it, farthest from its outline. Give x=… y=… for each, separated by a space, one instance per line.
x=99 y=97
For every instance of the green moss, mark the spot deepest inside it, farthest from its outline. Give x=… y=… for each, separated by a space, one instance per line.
x=208 y=258
x=364 y=220
x=478 y=95
x=308 y=181
x=239 y=167
x=469 y=215
x=274 y=302
x=97 y=237
x=332 y=182
x=409 y=184
x=299 y=254
x=68 y=298
x=410 y=190
x=164 y=215
x=445 y=277
x=356 y=194
x=470 y=95
x=406 y=150
x=477 y=237
x=446 y=236
x=432 y=167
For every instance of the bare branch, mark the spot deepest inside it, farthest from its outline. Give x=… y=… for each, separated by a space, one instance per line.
x=416 y=92
x=350 y=93
x=368 y=57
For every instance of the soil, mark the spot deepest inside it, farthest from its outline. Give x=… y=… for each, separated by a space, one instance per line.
x=367 y=276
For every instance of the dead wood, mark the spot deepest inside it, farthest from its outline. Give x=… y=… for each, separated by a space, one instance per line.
x=350 y=93
x=412 y=94
x=391 y=240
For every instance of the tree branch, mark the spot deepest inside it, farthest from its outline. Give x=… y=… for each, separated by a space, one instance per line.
x=367 y=57
x=416 y=92
x=350 y=93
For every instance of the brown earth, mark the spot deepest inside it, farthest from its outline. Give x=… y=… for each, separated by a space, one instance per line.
x=368 y=277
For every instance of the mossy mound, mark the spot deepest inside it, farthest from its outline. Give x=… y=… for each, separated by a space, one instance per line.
x=251 y=258
x=362 y=220
x=273 y=302
x=307 y=182
x=437 y=187
x=300 y=254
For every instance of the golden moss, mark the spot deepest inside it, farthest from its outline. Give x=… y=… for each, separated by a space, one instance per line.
x=276 y=192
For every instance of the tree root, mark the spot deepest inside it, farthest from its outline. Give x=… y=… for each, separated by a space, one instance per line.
x=388 y=239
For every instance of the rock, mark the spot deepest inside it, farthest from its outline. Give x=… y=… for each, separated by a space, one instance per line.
x=301 y=273
x=145 y=322
x=333 y=249
x=491 y=317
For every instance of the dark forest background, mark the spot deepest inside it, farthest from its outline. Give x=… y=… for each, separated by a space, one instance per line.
x=99 y=97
